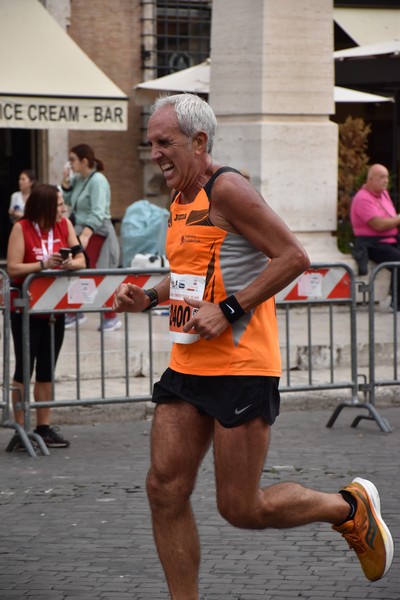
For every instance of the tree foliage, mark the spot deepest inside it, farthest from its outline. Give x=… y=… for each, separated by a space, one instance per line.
x=352 y=171
x=353 y=161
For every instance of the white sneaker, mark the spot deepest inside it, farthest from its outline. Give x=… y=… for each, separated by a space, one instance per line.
x=70 y=320
x=110 y=324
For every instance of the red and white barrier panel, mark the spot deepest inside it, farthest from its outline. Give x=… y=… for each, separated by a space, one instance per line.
x=318 y=284
x=81 y=291
x=97 y=291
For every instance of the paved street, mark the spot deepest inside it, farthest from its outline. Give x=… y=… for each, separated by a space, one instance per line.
x=75 y=525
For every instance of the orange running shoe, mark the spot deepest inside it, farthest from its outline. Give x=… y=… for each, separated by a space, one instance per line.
x=367 y=533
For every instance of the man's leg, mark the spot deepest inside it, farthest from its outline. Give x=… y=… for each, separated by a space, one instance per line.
x=180 y=438
x=354 y=512
x=240 y=455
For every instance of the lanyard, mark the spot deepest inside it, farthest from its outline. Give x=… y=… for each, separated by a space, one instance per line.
x=49 y=250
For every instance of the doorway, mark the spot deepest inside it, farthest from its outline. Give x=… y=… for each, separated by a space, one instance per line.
x=18 y=151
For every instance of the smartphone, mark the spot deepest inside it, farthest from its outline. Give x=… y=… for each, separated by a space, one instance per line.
x=65 y=252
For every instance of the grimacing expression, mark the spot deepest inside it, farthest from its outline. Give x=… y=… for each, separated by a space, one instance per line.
x=170 y=148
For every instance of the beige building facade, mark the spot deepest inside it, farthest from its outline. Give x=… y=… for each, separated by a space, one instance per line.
x=271 y=87
x=272 y=94
x=272 y=83
x=112 y=39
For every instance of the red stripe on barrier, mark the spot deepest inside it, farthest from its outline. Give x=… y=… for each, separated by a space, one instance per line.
x=332 y=286
x=38 y=287
x=342 y=289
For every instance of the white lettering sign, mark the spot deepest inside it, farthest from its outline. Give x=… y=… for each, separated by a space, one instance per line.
x=56 y=113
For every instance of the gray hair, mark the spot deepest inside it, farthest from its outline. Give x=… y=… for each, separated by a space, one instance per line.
x=193 y=113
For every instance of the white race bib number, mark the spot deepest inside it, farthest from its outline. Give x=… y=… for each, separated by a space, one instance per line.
x=183 y=286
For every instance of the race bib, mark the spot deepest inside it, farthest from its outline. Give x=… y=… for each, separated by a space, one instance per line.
x=183 y=286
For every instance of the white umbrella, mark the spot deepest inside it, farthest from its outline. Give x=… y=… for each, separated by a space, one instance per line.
x=347 y=95
x=194 y=79
x=197 y=80
x=369 y=51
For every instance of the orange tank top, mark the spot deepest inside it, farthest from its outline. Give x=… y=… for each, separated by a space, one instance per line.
x=225 y=262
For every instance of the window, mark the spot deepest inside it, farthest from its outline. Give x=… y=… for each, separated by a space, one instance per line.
x=183 y=34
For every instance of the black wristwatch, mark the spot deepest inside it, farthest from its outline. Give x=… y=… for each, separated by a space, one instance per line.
x=153 y=295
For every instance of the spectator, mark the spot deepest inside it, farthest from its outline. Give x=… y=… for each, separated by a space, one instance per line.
x=375 y=224
x=26 y=181
x=34 y=245
x=89 y=196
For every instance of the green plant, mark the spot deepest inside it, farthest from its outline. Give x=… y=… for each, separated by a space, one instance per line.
x=352 y=171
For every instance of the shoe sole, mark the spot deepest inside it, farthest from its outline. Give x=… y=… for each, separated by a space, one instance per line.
x=52 y=445
x=374 y=499
x=71 y=325
x=117 y=326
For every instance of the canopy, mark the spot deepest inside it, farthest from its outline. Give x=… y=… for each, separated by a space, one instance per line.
x=369 y=25
x=197 y=80
x=390 y=47
x=375 y=67
x=46 y=80
x=194 y=79
x=347 y=95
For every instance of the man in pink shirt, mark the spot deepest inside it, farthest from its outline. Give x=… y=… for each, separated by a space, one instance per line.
x=375 y=221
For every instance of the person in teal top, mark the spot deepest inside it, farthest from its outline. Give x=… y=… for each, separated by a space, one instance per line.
x=87 y=191
x=90 y=199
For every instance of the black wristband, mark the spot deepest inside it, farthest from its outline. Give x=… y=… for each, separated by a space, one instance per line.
x=41 y=265
x=231 y=309
x=76 y=250
x=153 y=295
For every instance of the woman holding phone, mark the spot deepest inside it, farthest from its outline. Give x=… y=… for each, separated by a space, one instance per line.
x=37 y=242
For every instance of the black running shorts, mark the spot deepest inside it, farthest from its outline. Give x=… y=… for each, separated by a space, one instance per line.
x=231 y=399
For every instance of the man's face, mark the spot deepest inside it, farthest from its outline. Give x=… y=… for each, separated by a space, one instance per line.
x=380 y=180
x=170 y=148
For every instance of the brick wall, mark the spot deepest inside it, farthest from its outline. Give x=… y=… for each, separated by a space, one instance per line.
x=109 y=33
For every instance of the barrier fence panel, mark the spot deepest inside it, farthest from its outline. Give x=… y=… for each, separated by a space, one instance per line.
x=317 y=320
x=98 y=368
x=5 y=311
x=383 y=365
x=106 y=361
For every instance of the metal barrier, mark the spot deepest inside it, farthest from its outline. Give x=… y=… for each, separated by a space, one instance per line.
x=374 y=381
x=5 y=311
x=311 y=303
x=86 y=291
x=317 y=298
x=5 y=403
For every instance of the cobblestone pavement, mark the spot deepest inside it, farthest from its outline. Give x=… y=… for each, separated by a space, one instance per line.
x=75 y=525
